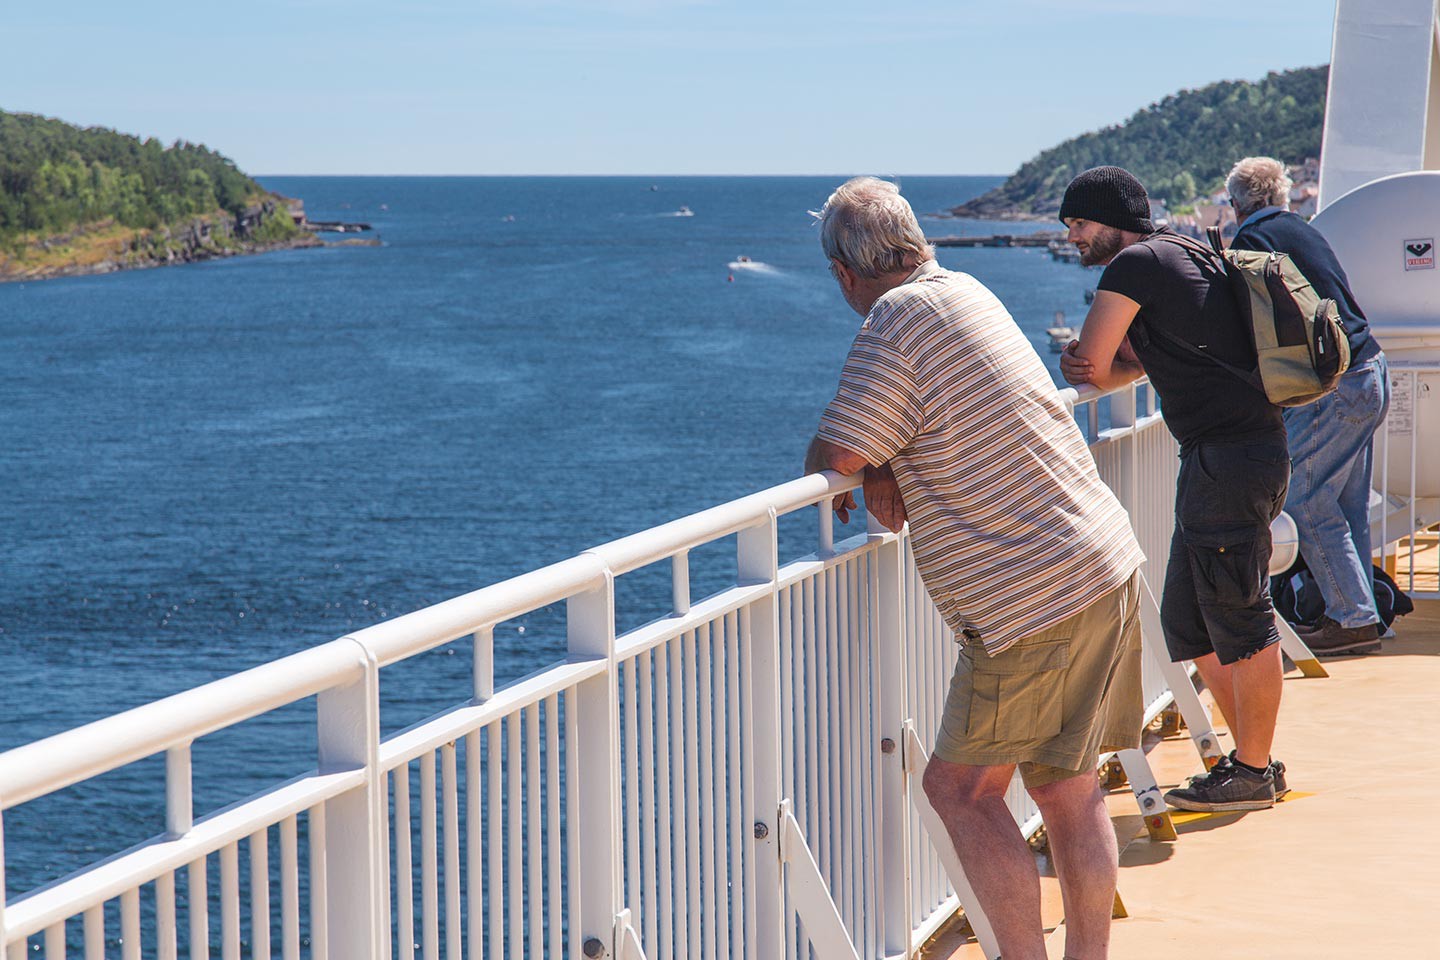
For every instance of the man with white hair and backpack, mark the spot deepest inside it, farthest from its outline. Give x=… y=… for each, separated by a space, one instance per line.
x=1331 y=439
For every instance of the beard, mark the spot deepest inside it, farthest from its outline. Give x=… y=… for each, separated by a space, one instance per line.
x=1103 y=246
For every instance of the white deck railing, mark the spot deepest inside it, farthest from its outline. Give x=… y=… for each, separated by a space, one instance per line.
x=645 y=772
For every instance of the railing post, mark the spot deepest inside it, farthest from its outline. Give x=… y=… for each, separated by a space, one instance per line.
x=758 y=562
x=893 y=842
x=348 y=730
x=590 y=631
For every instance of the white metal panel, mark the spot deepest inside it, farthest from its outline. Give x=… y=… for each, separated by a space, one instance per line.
x=1380 y=94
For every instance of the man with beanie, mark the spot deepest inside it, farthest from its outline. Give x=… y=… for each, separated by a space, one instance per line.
x=1160 y=292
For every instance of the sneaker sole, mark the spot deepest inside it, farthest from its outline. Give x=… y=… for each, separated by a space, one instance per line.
x=1348 y=650
x=1233 y=806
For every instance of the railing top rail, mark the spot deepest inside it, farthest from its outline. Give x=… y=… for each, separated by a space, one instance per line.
x=1087 y=392
x=56 y=762
x=51 y=764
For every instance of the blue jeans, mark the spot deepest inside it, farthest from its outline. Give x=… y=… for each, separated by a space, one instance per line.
x=1331 y=455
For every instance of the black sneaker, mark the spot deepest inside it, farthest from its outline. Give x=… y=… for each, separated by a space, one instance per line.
x=1277 y=770
x=1328 y=639
x=1227 y=787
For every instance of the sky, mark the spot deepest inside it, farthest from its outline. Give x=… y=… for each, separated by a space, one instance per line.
x=647 y=87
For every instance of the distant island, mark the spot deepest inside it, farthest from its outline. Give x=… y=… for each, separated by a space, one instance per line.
x=1180 y=148
x=90 y=200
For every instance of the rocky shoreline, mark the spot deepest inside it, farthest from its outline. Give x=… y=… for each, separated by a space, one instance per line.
x=107 y=248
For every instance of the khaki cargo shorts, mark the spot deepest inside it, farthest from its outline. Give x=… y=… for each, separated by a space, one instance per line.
x=1054 y=701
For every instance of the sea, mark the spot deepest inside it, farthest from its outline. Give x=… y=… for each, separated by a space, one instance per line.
x=209 y=466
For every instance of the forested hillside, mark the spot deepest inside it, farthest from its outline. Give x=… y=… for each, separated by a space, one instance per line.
x=54 y=176
x=1184 y=144
x=90 y=200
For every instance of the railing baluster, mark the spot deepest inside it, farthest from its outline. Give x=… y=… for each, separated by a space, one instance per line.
x=631 y=732
x=320 y=885
x=514 y=840
x=692 y=792
x=197 y=909
x=552 y=834
x=259 y=845
x=429 y=881
x=648 y=837
x=165 y=936
x=404 y=863
x=55 y=941
x=705 y=747
x=665 y=950
x=534 y=882
x=474 y=852
x=738 y=886
x=450 y=812
x=290 y=889
x=495 y=847
x=229 y=902
x=679 y=817
x=94 y=932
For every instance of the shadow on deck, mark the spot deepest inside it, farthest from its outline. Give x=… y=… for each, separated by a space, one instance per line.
x=1347 y=866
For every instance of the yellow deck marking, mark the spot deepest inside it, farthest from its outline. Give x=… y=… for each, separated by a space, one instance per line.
x=1182 y=817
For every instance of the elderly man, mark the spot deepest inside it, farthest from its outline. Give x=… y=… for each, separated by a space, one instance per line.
x=1026 y=553
x=1160 y=299
x=1331 y=440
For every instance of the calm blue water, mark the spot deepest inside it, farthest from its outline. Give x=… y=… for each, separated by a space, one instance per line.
x=208 y=467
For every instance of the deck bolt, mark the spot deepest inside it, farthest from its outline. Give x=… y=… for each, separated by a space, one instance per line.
x=1149 y=802
x=594 y=949
x=761 y=831
x=887 y=745
x=1205 y=743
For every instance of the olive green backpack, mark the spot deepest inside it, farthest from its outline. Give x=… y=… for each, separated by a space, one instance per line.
x=1300 y=345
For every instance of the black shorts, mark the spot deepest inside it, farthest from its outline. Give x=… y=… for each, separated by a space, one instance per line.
x=1217 y=584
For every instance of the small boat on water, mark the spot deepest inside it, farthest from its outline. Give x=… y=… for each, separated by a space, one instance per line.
x=1060 y=333
x=684 y=212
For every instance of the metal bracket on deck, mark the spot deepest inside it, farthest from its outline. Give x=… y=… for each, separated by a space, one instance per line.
x=1147 y=794
x=809 y=893
x=1298 y=651
x=916 y=759
x=1177 y=678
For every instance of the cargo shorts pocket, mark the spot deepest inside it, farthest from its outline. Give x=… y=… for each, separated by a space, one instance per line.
x=1019 y=694
x=1226 y=565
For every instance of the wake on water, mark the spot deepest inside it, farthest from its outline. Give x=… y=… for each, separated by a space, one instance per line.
x=754 y=266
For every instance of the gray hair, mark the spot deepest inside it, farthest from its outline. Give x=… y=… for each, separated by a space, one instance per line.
x=870 y=228
x=1257 y=182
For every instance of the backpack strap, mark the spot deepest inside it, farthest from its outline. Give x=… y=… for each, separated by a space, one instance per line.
x=1213 y=252
x=1249 y=376
x=1213 y=233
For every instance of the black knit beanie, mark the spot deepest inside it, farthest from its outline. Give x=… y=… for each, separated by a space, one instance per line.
x=1108 y=195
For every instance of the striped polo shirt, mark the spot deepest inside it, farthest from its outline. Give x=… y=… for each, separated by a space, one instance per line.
x=1012 y=528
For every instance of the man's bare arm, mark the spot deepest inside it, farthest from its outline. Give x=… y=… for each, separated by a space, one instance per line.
x=824 y=455
x=1102 y=356
x=882 y=497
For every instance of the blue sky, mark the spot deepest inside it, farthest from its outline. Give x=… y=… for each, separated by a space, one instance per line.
x=634 y=86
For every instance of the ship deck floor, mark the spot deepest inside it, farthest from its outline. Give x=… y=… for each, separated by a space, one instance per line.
x=1347 y=866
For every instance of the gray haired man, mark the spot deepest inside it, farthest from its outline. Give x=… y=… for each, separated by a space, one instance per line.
x=1025 y=552
x=1331 y=440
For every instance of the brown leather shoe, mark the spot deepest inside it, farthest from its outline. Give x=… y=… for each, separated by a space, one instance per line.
x=1328 y=639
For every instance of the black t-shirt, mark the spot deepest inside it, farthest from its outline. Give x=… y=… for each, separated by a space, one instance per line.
x=1182 y=289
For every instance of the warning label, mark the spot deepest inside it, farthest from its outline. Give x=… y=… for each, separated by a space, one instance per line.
x=1420 y=254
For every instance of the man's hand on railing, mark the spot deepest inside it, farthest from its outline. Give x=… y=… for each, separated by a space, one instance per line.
x=882 y=497
x=843 y=504
x=1074 y=368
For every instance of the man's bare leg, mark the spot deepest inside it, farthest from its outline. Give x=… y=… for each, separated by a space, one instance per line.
x=1086 y=858
x=1221 y=684
x=997 y=861
x=1256 y=683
